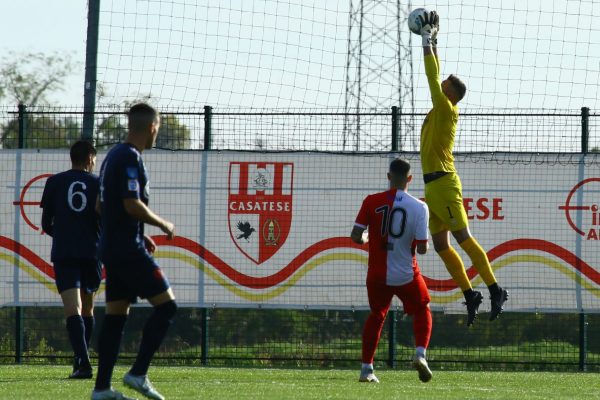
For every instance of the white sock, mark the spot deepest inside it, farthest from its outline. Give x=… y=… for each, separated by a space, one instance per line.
x=420 y=352
x=367 y=366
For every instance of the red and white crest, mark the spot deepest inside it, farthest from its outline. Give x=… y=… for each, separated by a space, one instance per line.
x=260 y=207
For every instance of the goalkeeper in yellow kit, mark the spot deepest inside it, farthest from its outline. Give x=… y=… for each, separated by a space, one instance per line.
x=443 y=190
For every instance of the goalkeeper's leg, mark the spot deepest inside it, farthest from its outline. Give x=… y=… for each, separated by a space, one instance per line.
x=455 y=267
x=481 y=263
x=380 y=298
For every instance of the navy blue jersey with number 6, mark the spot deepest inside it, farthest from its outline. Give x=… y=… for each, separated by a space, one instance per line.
x=122 y=176
x=69 y=198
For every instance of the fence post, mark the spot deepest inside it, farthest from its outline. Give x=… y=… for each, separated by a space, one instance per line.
x=204 y=326
x=22 y=125
x=585 y=134
x=395 y=132
x=204 y=340
x=91 y=62
x=392 y=317
x=582 y=342
x=207 y=127
x=22 y=118
x=18 y=334
x=585 y=129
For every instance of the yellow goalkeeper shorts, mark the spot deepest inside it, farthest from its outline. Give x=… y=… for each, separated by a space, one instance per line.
x=444 y=199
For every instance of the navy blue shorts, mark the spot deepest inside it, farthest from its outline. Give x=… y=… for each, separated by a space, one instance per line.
x=137 y=277
x=84 y=274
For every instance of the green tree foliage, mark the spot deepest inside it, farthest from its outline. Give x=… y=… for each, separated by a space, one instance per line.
x=42 y=132
x=29 y=78
x=110 y=131
x=173 y=135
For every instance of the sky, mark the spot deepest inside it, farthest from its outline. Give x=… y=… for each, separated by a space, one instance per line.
x=47 y=26
x=293 y=54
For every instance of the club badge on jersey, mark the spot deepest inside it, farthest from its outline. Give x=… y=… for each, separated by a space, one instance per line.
x=133 y=185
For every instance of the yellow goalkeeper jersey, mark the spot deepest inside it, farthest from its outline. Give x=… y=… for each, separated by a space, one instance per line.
x=439 y=127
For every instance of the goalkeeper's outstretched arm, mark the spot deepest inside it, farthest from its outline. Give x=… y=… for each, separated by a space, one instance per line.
x=429 y=30
x=430 y=26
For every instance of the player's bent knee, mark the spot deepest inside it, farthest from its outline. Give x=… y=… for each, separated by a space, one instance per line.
x=71 y=302
x=461 y=235
x=166 y=310
x=377 y=316
x=417 y=308
x=118 y=307
x=161 y=298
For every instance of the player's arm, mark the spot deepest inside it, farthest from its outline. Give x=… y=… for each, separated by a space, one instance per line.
x=47 y=220
x=430 y=24
x=98 y=208
x=436 y=25
x=421 y=234
x=422 y=247
x=129 y=188
x=358 y=234
x=138 y=210
x=48 y=207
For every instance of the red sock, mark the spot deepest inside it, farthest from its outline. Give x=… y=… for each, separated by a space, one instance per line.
x=371 y=334
x=422 y=327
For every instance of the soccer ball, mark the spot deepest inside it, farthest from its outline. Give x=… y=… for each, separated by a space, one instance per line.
x=414 y=23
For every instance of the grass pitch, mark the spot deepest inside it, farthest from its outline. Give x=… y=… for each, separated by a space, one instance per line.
x=49 y=382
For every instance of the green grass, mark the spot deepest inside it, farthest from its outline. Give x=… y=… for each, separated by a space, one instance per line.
x=48 y=382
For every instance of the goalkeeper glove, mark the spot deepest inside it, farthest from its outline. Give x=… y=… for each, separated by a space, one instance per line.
x=436 y=25
x=429 y=28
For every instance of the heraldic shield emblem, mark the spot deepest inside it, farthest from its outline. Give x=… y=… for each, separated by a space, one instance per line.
x=260 y=207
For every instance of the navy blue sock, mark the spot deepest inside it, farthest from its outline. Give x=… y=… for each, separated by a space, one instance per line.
x=89 y=323
x=155 y=331
x=76 y=331
x=108 y=348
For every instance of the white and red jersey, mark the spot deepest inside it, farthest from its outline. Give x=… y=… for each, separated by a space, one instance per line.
x=396 y=221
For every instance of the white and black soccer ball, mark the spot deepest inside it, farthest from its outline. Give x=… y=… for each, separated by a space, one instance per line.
x=414 y=22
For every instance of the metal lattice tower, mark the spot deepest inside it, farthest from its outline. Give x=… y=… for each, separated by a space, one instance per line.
x=379 y=74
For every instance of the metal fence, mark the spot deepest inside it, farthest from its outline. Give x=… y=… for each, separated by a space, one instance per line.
x=325 y=338
x=522 y=131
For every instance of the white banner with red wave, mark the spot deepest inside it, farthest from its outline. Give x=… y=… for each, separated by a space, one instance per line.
x=271 y=229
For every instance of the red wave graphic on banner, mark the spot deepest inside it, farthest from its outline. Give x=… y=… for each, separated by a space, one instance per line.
x=445 y=285
x=439 y=285
x=27 y=254
x=252 y=281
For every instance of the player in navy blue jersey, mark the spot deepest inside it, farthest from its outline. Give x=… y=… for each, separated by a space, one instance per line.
x=69 y=216
x=126 y=252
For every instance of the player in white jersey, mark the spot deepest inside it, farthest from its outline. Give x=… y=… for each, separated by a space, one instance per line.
x=397 y=224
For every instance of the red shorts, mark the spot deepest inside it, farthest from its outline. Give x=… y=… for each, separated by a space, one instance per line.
x=414 y=295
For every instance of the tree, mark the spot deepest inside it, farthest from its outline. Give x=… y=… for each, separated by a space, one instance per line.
x=110 y=131
x=173 y=135
x=42 y=132
x=28 y=78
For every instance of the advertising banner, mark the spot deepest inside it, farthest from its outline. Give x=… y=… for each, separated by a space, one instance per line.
x=272 y=229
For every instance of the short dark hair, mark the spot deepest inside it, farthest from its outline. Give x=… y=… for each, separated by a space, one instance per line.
x=400 y=168
x=140 y=116
x=459 y=86
x=80 y=151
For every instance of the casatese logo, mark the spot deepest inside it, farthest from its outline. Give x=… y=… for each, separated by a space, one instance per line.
x=583 y=215
x=260 y=207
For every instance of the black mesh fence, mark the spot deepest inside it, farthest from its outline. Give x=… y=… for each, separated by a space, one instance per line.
x=523 y=131
x=324 y=338
x=310 y=338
